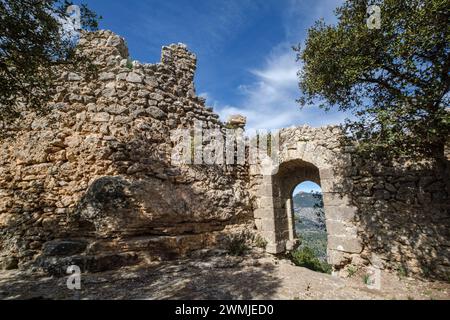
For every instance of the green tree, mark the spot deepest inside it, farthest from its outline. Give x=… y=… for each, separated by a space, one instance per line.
x=393 y=80
x=35 y=45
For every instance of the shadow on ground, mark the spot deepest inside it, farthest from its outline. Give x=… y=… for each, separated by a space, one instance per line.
x=216 y=279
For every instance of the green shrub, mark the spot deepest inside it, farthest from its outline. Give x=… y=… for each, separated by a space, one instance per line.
x=305 y=257
x=237 y=244
x=366 y=279
x=402 y=272
x=351 y=271
x=316 y=241
x=260 y=242
x=129 y=64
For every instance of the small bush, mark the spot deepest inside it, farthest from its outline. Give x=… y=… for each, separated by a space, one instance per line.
x=237 y=244
x=351 y=270
x=316 y=241
x=129 y=64
x=366 y=279
x=306 y=258
x=402 y=272
x=260 y=242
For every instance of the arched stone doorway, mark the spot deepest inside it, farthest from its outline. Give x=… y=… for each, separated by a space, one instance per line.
x=309 y=219
x=289 y=175
x=273 y=206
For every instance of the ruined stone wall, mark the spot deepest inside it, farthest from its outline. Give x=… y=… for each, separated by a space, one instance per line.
x=92 y=182
x=403 y=215
x=384 y=215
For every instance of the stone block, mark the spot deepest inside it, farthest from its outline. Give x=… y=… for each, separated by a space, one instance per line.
x=345 y=244
x=265 y=202
x=73 y=77
x=276 y=247
x=258 y=224
x=105 y=76
x=134 y=78
x=265 y=190
x=336 y=258
x=344 y=214
x=335 y=199
x=101 y=117
x=338 y=228
x=326 y=174
x=263 y=213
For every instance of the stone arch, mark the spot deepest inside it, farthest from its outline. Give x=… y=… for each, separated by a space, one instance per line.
x=274 y=219
x=289 y=175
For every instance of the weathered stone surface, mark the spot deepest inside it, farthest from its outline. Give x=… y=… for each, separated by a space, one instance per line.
x=72 y=76
x=156 y=113
x=134 y=78
x=64 y=247
x=104 y=76
x=237 y=121
x=339 y=228
x=343 y=214
x=98 y=169
x=345 y=244
x=58 y=266
x=101 y=117
x=9 y=263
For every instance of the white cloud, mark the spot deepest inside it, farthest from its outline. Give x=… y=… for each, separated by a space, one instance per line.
x=269 y=102
x=281 y=68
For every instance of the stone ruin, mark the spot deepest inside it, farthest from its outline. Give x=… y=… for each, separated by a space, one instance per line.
x=92 y=182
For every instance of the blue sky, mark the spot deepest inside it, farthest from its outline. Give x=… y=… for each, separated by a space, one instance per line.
x=307 y=186
x=245 y=61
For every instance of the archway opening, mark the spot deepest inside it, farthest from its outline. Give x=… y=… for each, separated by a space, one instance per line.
x=309 y=218
x=275 y=218
x=306 y=248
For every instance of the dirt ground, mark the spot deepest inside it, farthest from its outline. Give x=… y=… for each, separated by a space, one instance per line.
x=256 y=276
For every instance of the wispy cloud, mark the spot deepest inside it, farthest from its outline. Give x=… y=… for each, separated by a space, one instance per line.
x=228 y=37
x=269 y=101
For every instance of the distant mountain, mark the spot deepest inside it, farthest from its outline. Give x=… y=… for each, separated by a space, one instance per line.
x=306 y=200
x=310 y=223
x=309 y=214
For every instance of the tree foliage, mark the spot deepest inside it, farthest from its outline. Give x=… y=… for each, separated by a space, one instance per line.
x=393 y=80
x=35 y=46
x=305 y=257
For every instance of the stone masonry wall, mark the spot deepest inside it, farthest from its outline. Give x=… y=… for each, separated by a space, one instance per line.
x=92 y=183
x=384 y=215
